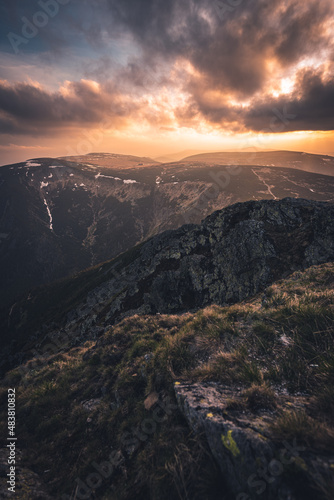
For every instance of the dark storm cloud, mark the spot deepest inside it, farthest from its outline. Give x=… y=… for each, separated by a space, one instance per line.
x=69 y=23
x=312 y=106
x=231 y=52
x=24 y=107
x=309 y=107
x=230 y=47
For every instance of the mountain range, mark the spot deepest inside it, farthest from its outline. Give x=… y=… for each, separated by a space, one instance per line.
x=59 y=216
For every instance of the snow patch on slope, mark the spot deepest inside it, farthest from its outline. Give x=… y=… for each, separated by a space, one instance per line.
x=31 y=164
x=49 y=213
x=107 y=177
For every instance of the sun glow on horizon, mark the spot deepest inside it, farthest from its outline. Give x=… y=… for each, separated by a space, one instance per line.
x=182 y=77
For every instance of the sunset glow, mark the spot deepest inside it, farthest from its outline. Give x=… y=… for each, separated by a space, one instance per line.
x=129 y=78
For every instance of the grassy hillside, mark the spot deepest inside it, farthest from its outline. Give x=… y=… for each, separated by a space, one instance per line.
x=114 y=399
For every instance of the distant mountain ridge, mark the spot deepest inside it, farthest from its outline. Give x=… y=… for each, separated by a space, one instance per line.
x=117 y=160
x=58 y=217
x=319 y=164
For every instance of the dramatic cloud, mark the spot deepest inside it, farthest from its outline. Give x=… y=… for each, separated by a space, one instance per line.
x=228 y=66
x=231 y=48
x=26 y=107
x=312 y=106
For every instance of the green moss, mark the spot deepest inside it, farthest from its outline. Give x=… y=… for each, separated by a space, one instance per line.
x=230 y=444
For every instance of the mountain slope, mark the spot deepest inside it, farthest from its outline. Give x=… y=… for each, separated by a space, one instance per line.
x=117 y=160
x=232 y=255
x=206 y=406
x=58 y=217
x=320 y=164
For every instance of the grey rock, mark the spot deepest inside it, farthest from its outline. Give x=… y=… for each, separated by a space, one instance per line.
x=254 y=464
x=235 y=253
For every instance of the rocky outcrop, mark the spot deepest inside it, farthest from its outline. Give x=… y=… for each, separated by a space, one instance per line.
x=234 y=254
x=251 y=460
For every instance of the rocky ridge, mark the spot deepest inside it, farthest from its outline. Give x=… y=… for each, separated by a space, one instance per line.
x=234 y=254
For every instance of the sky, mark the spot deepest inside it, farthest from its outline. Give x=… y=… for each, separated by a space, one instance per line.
x=152 y=77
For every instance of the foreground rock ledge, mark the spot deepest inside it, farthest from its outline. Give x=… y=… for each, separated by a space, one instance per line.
x=254 y=465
